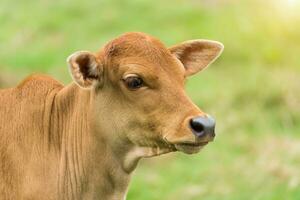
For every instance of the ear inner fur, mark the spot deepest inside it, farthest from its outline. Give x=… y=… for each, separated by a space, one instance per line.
x=85 y=68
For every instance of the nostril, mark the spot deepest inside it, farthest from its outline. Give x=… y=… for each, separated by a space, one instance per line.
x=197 y=126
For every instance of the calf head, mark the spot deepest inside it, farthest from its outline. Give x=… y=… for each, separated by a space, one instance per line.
x=138 y=91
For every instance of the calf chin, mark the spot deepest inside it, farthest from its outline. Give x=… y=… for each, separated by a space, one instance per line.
x=188 y=149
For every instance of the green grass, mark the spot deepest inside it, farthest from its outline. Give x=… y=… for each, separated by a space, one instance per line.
x=253 y=89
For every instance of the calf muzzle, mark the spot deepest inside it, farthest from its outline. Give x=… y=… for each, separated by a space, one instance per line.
x=203 y=126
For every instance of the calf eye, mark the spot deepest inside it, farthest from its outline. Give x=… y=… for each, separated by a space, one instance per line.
x=133 y=82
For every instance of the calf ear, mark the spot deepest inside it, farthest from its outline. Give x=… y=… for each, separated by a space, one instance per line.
x=196 y=55
x=86 y=69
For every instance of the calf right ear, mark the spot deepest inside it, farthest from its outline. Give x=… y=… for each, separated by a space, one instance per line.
x=86 y=69
x=196 y=55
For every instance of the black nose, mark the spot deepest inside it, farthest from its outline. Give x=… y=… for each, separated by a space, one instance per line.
x=203 y=125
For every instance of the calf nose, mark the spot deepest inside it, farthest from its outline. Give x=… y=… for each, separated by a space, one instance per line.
x=203 y=125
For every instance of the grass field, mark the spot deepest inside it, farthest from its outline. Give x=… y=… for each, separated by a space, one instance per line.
x=253 y=89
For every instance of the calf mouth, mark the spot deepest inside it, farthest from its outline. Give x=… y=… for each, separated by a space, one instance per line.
x=190 y=148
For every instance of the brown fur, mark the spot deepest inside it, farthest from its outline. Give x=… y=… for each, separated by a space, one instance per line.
x=83 y=141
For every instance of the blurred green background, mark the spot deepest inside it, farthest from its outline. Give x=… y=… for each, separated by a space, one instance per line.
x=253 y=89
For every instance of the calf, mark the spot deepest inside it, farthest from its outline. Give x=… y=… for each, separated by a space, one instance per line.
x=84 y=140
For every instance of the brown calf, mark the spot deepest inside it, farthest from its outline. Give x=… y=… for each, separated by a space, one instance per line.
x=83 y=141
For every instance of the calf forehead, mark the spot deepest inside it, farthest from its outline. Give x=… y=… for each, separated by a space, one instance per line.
x=142 y=48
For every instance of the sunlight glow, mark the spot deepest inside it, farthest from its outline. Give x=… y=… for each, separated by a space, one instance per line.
x=291 y=2
x=287 y=8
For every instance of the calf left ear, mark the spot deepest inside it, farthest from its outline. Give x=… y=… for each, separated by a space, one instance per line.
x=196 y=55
x=86 y=69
